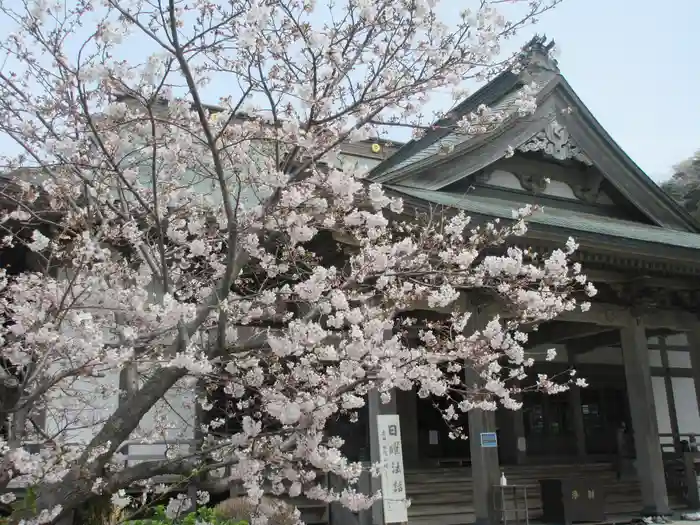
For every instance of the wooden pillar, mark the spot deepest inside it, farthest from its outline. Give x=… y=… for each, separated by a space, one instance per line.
x=650 y=466
x=694 y=343
x=575 y=411
x=485 y=465
x=407 y=408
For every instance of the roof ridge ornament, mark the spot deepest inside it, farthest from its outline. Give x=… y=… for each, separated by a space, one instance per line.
x=536 y=62
x=539 y=52
x=555 y=142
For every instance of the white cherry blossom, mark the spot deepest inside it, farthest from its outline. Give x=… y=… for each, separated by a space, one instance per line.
x=230 y=259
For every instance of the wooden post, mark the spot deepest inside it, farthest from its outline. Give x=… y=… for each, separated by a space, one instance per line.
x=485 y=464
x=407 y=408
x=694 y=347
x=650 y=466
x=576 y=412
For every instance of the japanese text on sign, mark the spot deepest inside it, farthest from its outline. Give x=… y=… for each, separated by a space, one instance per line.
x=391 y=458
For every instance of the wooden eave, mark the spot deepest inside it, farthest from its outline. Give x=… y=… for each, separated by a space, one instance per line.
x=555 y=100
x=603 y=250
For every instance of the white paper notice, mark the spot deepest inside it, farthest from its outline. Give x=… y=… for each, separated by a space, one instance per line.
x=391 y=459
x=433 y=437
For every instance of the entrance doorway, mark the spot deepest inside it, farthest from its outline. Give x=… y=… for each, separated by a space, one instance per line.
x=604 y=409
x=548 y=426
x=434 y=439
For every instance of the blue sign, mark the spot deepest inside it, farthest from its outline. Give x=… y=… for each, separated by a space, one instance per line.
x=489 y=440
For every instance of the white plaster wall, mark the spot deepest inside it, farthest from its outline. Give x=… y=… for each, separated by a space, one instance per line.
x=686 y=405
x=678 y=359
x=655 y=358
x=171 y=420
x=504 y=179
x=555 y=188
x=561 y=189
x=677 y=339
x=663 y=418
x=85 y=415
x=674 y=341
x=77 y=418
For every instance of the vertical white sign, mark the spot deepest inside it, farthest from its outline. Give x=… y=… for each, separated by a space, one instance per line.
x=391 y=459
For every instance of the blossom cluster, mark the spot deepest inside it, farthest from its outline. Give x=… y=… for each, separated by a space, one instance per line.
x=224 y=260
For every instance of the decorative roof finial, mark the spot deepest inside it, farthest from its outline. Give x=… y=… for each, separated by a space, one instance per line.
x=536 y=63
x=538 y=52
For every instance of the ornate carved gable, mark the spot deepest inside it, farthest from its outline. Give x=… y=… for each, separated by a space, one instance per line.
x=554 y=184
x=556 y=142
x=538 y=176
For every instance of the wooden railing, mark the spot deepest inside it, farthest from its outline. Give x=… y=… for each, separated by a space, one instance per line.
x=681 y=467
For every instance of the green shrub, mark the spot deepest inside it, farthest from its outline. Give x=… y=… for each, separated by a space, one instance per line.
x=208 y=516
x=240 y=509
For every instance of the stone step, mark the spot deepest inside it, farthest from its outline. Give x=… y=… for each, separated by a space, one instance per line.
x=445 y=519
x=440 y=509
x=578 y=467
x=445 y=496
x=461 y=516
x=466 y=486
x=534 y=503
x=533 y=481
x=534 y=497
x=449 y=475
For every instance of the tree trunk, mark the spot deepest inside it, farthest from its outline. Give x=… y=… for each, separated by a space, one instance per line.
x=97 y=511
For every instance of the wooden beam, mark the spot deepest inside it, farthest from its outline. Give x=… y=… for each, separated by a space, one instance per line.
x=616 y=277
x=617 y=316
x=610 y=337
x=557 y=332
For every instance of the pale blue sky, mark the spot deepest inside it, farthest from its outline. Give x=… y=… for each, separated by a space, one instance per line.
x=635 y=64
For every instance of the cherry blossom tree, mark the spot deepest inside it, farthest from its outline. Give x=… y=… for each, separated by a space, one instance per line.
x=162 y=249
x=683 y=184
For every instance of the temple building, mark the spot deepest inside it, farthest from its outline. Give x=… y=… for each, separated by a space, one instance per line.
x=638 y=346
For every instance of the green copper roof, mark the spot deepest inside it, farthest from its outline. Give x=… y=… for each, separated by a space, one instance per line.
x=556 y=217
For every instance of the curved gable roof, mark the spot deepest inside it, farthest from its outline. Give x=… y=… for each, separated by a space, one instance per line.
x=419 y=164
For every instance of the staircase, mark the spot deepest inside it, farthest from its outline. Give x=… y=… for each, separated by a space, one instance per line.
x=443 y=496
